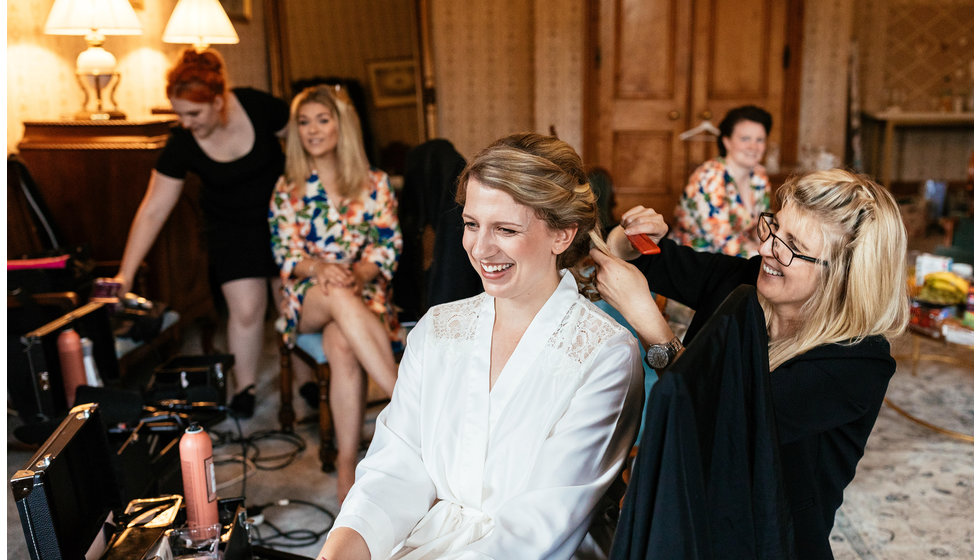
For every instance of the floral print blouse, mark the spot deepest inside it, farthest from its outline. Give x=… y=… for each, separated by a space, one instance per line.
x=711 y=215
x=362 y=229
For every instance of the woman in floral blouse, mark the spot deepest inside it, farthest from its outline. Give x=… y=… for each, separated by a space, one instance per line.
x=336 y=239
x=724 y=196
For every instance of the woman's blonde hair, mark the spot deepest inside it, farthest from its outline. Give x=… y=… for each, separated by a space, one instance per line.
x=546 y=175
x=352 y=161
x=862 y=291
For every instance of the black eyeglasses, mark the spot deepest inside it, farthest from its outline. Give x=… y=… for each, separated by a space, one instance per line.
x=780 y=249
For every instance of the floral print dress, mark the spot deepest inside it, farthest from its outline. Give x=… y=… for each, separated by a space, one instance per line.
x=711 y=215
x=362 y=229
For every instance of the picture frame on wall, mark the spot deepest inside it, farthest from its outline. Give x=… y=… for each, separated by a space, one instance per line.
x=392 y=82
x=238 y=10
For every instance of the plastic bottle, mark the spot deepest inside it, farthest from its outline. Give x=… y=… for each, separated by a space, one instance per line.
x=92 y=378
x=72 y=363
x=197 y=472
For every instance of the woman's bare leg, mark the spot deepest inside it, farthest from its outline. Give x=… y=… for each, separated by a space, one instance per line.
x=246 y=299
x=347 y=385
x=362 y=329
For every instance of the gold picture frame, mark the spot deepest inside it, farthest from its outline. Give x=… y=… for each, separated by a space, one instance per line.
x=392 y=82
x=238 y=10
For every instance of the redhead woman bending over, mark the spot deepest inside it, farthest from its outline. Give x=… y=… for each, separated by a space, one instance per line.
x=228 y=137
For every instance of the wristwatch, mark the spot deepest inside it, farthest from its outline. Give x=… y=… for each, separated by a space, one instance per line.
x=660 y=356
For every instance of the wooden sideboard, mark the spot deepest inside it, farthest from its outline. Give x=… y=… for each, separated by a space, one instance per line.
x=92 y=176
x=883 y=156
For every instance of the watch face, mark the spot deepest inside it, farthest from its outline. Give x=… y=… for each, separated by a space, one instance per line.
x=657 y=356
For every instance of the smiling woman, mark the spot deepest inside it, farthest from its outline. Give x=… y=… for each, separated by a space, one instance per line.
x=513 y=408
x=830 y=278
x=336 y=239
x=724 y=196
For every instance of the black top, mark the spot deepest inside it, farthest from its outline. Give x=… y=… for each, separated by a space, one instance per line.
x=826 y=400
x=238 y=190
x=235 y=195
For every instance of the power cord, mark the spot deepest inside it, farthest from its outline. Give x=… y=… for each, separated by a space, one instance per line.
x=286 y=539
x=251 y=456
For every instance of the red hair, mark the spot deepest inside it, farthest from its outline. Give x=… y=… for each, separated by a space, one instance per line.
x=198 y=76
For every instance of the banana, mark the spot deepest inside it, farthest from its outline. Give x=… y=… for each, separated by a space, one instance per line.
x=958 y=283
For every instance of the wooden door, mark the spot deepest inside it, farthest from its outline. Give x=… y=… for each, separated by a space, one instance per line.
x=643 y=86
x=666 y=65
x=738 y=58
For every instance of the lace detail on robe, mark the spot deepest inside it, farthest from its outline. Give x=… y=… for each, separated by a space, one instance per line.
x=457 y=320
x=583 y=330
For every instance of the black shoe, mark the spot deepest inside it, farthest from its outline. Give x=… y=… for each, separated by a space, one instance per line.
x=243 y=403
x=310 y=392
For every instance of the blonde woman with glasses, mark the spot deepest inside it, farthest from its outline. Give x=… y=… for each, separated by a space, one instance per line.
x=830 y=278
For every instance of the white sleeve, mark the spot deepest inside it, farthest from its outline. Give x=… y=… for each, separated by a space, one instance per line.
x=393 y=490
x=578 y=461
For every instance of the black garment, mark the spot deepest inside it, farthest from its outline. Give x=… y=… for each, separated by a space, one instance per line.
x=826 y=400
x=706 y=482
x=235 y=195
x=432 y=230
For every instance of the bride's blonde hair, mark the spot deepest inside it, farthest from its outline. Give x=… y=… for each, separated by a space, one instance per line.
x=546 y=175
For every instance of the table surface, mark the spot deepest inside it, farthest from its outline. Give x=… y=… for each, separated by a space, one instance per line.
x=921 y=118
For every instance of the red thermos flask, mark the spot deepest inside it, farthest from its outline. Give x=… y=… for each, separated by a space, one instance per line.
x=197 y=472
x=72 y=363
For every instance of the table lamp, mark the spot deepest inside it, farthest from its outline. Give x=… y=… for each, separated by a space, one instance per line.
x=200 y=23
x=95 y=67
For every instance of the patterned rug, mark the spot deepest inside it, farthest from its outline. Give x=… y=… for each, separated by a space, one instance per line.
x=912 y=496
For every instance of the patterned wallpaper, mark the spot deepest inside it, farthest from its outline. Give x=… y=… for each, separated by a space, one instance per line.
x=341 y=38
x=484 y=70
x=914 y=52
x=559 y=64
x=917 y=55
x=41 y=68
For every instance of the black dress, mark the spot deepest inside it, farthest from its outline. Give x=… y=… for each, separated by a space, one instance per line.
x=235 y=195
x=826 y=400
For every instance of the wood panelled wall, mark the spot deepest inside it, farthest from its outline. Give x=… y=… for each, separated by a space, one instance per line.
x=40 y=68
x=823 y=91
x=339 y=38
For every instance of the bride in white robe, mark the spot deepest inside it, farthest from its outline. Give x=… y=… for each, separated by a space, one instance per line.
x=514 y=410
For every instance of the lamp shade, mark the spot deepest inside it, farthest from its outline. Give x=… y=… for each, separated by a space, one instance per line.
x=81 y=17
x=199 y=23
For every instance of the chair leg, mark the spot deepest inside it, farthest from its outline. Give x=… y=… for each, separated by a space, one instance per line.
x=287 y=416
x=328 y=449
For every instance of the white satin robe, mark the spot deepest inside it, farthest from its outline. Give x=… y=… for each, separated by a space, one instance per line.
x=512 y=473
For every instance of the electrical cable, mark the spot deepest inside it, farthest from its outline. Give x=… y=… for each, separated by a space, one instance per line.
x=253 y=459
x=248 y=470
x=294 y=538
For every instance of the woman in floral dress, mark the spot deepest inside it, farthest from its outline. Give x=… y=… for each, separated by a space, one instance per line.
x=724 y=196
x=336 y=239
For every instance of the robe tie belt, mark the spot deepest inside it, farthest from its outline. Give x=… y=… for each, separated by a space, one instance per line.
x=446 y=527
